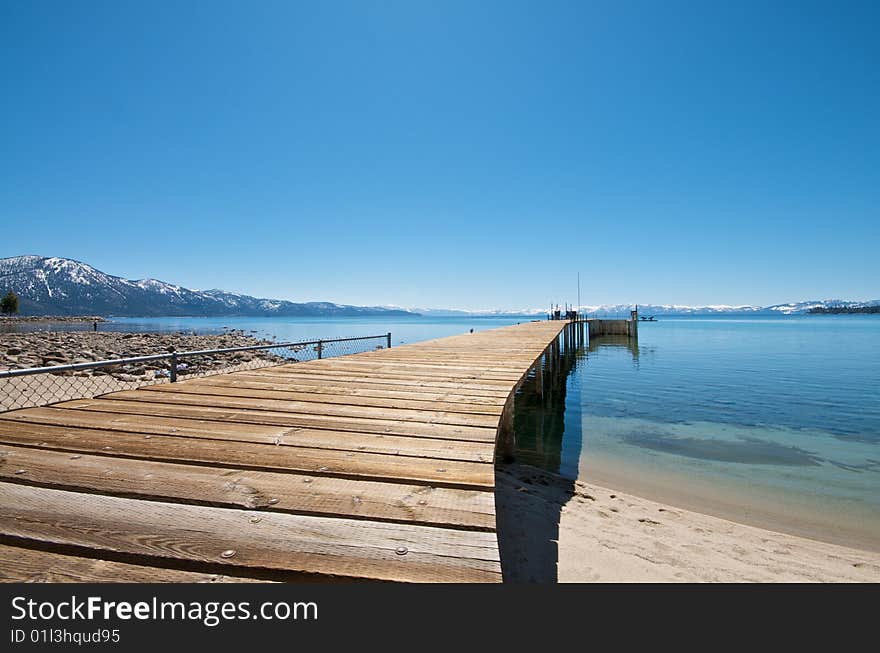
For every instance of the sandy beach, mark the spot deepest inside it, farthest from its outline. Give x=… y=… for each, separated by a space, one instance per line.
x=553 y=529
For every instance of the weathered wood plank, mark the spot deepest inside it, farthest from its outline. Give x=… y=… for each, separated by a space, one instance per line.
x=312 y=387
x=318 y=545
x=162 y=406
x=296 y=398
x=425 y=367
x=418 y=446
x=23 y=565
x=320 y=462
x=173 y=396
x=248 y=489
x=366 y=380
x=406 y=371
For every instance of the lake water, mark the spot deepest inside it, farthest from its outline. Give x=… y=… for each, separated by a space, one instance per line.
x=403 y=329
x=772 y=421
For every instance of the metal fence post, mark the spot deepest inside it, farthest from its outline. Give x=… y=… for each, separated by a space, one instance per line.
x=173 y=367
x=389 y=340
x=320 y=348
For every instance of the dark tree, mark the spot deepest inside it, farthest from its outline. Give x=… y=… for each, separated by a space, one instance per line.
x=9 y=304
x=844 y=310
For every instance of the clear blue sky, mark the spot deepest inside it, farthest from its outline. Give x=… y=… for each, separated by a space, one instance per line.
x=449 y=154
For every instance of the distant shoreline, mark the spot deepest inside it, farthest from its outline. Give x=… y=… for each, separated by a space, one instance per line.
x=845 y=310
x=52 y=318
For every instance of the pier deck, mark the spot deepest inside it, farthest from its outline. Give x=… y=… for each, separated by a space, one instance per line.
x=371 y=466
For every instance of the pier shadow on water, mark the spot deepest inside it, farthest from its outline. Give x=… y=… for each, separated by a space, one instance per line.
x=531 y=491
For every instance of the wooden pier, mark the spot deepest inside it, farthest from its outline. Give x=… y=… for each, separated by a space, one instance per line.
x=372 y=466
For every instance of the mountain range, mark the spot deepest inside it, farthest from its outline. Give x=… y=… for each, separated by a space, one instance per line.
x=61 y=286
x=623 y=310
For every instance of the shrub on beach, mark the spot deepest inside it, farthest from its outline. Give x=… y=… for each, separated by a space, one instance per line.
x=9 y=304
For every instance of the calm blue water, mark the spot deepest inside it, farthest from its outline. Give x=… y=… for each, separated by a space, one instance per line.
x=403 y=329
x=782 y=414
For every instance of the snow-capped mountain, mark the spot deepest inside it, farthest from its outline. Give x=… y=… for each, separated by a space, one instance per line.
x=792 y=308
x=60 y=286
x=623 y=310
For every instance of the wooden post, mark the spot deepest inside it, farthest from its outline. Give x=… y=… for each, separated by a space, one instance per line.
x=173 y=370
x=320 y=349
x=506 y=435
x=539 y=376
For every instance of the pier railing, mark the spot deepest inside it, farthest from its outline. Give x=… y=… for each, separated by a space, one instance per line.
x=40 y=386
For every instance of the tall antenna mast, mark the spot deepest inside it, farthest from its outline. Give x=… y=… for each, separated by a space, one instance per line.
x=579 y=293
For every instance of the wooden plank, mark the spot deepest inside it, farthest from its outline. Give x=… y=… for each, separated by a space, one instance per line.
x=391 y=371
x=23 y=565
x=132 y=422
x=113 y=403
x=197 y=534
x=424 y=366
x=384 y=381
x=407 y=371
x=320 y=462
x=280 y=436
x=207 y=388
x=248 y=489
x=172 y=396
x=316 y=390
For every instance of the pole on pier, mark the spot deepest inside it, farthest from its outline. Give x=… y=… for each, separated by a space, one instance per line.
x=506 y=435
x=539 y=376
x=173 y=370
x=320 y=349
x=389 y=340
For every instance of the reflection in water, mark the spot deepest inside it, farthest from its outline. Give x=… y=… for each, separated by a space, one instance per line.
x=776 y=417
x=540 y=417
x=539 y=424
x=623 y=342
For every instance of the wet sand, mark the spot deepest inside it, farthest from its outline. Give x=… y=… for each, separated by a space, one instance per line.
x=553 y=529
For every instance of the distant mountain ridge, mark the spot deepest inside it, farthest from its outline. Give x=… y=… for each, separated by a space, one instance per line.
x=622 y=310
x=61 y=286
x=791 y=308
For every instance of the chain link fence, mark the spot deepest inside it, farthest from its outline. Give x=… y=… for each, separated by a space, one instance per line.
x=40 y=386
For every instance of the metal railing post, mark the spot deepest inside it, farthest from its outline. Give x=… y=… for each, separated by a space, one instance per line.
x=173 y=367
x=320 y=348
x=389 y=340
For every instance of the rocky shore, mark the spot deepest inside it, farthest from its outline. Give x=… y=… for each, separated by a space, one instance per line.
x=47 y=348
x=14 y=319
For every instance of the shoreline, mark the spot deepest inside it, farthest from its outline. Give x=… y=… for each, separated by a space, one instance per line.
x=555 y=529
x=733 y=504
x=51 y=319
x=45 y=348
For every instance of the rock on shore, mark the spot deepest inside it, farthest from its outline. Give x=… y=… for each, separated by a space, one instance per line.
x=12 y=319
x=46 y=348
